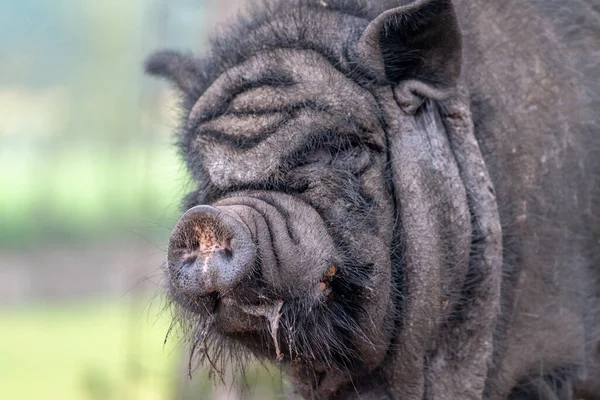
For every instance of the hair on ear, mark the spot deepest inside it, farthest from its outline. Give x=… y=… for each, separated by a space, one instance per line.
x=183 y=70
x=420 y=41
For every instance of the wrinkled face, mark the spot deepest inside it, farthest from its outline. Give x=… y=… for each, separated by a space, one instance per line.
x=329 y=215
x=286 y=245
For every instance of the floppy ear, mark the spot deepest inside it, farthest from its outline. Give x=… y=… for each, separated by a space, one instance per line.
x=416 y=45
x=183 y=70
x=445 y=202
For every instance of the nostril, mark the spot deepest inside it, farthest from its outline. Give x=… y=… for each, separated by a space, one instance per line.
x=209 y=250
x=226 y=244
x=188 y=260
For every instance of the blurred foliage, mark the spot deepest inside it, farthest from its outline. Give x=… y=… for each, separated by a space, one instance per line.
x=85 y=145
x=86 y=157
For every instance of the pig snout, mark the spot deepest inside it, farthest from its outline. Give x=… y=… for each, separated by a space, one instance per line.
x=272 y=239
x=209 y=251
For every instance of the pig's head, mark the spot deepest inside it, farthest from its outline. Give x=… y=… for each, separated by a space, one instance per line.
x=330 y=228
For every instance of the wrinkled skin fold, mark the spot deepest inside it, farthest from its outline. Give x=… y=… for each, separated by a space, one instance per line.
x=395 y=199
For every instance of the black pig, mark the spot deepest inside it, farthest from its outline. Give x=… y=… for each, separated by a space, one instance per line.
x=404 y=197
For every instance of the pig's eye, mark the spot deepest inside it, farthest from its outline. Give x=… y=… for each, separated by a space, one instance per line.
x=315 y=159
x=354 y=158
x=332 y=151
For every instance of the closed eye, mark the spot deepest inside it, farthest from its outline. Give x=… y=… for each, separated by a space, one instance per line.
x=347 y=153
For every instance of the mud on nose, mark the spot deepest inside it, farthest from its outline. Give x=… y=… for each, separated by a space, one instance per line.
x=209 y=251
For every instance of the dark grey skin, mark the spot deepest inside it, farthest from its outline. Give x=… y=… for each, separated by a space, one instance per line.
x=396 y=199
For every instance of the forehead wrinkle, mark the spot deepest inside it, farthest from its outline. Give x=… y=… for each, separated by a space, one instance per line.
x=306 y=68
x=228 y=166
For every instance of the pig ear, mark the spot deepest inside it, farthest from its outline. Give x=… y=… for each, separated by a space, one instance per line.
x=419 y=42
x=183 y=70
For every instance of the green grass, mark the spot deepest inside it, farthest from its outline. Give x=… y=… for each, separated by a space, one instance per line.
x=102 y=349
x=85 y=350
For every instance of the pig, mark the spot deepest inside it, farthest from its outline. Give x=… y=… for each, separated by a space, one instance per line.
x=395 y=199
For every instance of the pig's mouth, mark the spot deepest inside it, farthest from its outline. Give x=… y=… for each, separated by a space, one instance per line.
x=255 y=316
x=261 y=269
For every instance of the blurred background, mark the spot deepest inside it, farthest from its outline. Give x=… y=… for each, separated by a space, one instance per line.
x=90 y=186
